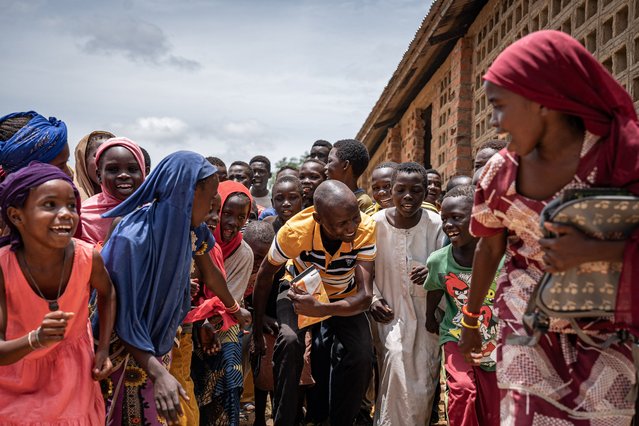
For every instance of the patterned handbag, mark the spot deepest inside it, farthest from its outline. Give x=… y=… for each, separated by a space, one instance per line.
x=589 y=290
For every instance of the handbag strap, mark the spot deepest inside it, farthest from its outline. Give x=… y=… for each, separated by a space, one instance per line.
x=611 y=340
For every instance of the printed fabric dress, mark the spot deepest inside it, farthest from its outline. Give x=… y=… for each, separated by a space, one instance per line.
x=408 y=355
x=562 y=380
x=50 y=386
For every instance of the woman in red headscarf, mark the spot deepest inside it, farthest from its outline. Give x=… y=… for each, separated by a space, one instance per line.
x=218 y=379
x=571 y=126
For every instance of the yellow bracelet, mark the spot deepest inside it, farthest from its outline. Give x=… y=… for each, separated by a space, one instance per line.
x=466 y=325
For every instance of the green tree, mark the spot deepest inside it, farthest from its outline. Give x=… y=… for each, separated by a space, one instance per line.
x=287 y=161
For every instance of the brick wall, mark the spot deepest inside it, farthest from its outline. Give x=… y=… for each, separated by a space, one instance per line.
x=608 y=29
x=460 y=118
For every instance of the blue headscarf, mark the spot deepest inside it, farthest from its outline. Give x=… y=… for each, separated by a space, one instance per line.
x=149 y=254
x=39 y=140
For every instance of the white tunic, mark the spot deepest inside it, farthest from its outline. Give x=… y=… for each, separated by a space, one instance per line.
x=408 y=355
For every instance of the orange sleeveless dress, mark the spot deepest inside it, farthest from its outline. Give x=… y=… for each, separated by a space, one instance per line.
x=50 y=386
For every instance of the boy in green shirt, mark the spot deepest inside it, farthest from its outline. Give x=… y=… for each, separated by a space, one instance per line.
x=473 y=397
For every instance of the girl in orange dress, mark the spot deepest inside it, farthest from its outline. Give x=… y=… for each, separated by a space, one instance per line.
x=48 y=369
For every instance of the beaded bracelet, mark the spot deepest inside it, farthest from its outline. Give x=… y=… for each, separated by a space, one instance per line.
x=466 y=325
x=469 y=314
x=234 y=309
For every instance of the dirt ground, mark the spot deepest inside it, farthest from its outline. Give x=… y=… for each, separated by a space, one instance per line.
x=442 y=414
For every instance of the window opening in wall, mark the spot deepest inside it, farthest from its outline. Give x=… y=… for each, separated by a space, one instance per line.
x=428 y=134
x=543 y=18
x=580 y=15
x=636 y=9
x=567 y=26
x=620 y=60
x=591 y=8
x=621 y=20
x=556 y=7
x=535 y=23
x=635 y=89
x=608 y=64
x=518 y=14
x=636 y=51
x=606 y=31
x=591 y=41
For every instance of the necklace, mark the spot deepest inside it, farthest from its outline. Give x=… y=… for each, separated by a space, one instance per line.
x=53 y=304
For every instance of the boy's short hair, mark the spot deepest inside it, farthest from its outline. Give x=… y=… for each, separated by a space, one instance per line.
x=410 y=167
x=322 y=142
x=464 y=191
x=386 y=165
x=287 y=167
x=216 y=161
x=458 y=180
x=261 y=159
x=288 y=179
x=494 y=144
x=433 y=171
x=243 y=164
x=314 y=160
x=355 y=152
x=258 y=231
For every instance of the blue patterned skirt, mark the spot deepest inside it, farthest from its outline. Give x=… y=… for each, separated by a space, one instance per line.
x=218 y=379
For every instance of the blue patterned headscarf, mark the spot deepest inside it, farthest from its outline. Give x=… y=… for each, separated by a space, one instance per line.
x=39 y=140
x=149 y=253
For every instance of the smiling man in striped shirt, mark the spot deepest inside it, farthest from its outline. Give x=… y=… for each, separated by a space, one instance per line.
x=339 y=240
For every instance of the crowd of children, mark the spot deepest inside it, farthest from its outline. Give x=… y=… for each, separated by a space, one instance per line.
x=131 y=296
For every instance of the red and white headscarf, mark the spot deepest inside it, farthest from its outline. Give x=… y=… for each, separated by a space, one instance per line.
x=556 y=71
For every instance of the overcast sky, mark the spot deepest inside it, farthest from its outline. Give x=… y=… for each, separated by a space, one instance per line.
x=230 y=78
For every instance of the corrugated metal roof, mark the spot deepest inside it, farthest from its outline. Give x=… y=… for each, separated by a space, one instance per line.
x=443 y=25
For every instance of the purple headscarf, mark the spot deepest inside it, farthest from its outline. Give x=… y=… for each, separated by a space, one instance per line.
x=16 y=188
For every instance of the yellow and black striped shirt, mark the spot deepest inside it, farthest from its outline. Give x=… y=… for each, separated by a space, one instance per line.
x=299 y=242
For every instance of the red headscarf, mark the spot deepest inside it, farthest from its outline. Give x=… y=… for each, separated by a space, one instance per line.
x=226 y=189
x=556 y=71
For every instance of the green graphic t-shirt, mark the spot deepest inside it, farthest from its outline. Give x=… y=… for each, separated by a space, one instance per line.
x=447 y=275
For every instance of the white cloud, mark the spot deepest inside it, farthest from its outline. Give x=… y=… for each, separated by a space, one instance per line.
x=244 y=128
x=159 y=130
x=135 y=39
x=274 y=75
